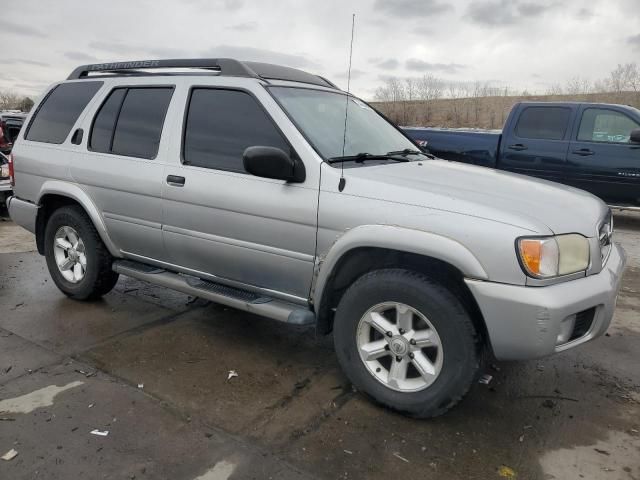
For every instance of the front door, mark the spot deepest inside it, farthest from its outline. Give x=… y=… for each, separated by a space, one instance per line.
x=601 y=159
x=537 y=144
x=247 y=231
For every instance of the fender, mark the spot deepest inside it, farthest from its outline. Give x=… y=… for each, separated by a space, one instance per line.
x=397 y=238
x=75 y=192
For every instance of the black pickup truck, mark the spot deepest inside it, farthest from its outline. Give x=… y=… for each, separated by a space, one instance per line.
x=592 y=146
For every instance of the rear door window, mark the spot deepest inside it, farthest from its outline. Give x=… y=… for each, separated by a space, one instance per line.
x=130 y=122
x=59 y=111
x=544 y=123
x=102 y=132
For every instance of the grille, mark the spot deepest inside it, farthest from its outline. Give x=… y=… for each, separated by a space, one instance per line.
x=583 y=323
x=605 y=233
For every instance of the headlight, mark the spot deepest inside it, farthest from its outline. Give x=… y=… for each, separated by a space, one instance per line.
x=554 y=256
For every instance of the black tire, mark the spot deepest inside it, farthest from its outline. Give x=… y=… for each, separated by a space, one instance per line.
x=460 y=341
x=99 y=279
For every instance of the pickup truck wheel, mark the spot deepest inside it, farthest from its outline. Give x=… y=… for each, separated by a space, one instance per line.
x=407 y=341
x=78 y=261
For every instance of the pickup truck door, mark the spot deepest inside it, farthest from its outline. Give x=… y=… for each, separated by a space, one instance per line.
x=601 y=160
x=535 y=141
x=223 y=223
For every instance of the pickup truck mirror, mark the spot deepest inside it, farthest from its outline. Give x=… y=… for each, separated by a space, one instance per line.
x=271 y=162
x=635 y=136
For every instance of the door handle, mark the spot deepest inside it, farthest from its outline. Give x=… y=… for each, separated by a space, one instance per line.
x=76 y=139
x=175 y=181
x=583 y=152
x=517 y=147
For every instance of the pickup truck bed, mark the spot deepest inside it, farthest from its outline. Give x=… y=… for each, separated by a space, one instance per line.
x=478 y=147
x=594 y=147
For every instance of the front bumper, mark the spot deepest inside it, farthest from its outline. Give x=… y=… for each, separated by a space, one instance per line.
x=525 y=322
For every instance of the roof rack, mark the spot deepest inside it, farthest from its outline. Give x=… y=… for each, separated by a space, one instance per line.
x=227 y=67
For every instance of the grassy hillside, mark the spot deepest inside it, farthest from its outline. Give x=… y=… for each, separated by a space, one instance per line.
x=482 y=112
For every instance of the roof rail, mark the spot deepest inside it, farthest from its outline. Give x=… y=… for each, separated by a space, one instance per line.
x=227 y=67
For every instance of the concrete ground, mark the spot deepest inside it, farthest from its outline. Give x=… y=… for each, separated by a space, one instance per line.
x=150 y=367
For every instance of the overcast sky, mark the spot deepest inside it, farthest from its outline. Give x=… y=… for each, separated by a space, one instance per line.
x=524 y=44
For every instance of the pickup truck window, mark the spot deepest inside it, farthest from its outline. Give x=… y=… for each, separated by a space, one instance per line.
x=59 y=111
x=543 y=123
x=320 y=116
x=605 y=125
x=130 y=122
x=221 y=124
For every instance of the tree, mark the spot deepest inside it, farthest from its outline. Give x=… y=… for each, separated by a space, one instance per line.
x=26 y=104
x=429 y=90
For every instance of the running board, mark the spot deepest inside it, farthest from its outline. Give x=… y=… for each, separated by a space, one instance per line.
x=631 y=208
x=223 y=294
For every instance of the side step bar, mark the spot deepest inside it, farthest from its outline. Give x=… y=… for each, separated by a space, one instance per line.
x=223 y=294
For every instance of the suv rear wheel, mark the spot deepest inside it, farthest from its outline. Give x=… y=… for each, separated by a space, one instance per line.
x=407 y=341
x=78 y=261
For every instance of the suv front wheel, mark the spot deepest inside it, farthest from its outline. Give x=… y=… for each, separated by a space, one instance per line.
x=78 y=261
x=407 y=341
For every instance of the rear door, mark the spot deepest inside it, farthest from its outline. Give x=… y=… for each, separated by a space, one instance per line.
x=537 y=141
x=121 y=166
x=601 y=160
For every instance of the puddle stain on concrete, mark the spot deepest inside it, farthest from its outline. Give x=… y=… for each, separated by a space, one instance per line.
x=615 y=457
x=34 y=400
x=220 y=471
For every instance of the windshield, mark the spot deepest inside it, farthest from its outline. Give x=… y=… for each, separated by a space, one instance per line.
x=320 y=116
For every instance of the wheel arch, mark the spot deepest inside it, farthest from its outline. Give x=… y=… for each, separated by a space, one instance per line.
x=54 y=195
x=364 y=249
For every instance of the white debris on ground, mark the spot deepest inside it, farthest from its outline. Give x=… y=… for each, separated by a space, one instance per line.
x=10 y=455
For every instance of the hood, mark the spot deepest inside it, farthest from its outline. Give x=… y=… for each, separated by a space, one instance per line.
x=540 y=206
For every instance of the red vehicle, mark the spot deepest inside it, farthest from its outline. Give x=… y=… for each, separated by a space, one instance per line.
x=10 y=125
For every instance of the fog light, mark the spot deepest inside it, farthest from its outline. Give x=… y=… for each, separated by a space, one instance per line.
x=566 y=328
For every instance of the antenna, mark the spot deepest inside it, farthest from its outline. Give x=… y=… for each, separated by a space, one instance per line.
x=343 y=181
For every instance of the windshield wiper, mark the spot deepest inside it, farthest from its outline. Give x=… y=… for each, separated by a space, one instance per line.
x=408 y=151
x=361 y=157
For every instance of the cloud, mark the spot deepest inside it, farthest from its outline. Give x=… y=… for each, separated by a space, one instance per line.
x=18 y=61
x=80 y=57
x=128 y=51
x=260 y=55
x=244 y=27
x=111 y=47
x=355 y=73
x=228 y=5
x=388 y=64
x=585 y=14
x=634 y=41
x=418 y=65
x=10 y=27
x=411 y=8
x=505 y=12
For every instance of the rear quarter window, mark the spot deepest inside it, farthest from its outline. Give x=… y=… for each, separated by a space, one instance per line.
x=59 y=111
x=544 y=123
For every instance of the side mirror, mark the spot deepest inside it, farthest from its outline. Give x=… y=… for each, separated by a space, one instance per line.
x=271 y=162
x=635 y=136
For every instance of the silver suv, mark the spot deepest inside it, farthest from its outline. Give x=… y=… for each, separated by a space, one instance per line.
x=270 y=190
